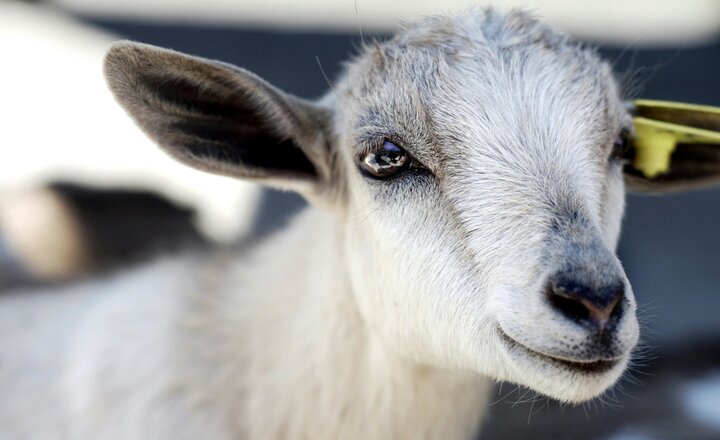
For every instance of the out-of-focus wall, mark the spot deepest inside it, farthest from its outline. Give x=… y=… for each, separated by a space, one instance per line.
x=647 y=21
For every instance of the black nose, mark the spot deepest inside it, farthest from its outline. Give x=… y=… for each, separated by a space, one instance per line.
x=598 y=307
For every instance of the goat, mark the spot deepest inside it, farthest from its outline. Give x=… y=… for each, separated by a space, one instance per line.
x=466 y=187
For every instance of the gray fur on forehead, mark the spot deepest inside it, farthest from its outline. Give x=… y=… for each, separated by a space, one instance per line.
x=479 y=28
x=475 y=33
x=427 y=47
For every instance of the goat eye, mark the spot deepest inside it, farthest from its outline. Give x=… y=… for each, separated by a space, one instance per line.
x=620 y=146
x=385 y=161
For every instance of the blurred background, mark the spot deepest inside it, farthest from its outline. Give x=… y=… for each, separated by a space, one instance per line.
x=82 y=192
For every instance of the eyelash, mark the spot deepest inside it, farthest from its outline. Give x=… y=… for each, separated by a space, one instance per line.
x=370 y=143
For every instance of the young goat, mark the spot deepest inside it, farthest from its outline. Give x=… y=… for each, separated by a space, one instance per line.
x=466 y=183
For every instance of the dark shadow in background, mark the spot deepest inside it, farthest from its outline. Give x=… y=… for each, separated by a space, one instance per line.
x=670 y=245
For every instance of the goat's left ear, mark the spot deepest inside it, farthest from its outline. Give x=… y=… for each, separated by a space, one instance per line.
x=222 y=119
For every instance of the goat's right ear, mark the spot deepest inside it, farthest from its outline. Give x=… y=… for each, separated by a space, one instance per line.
x=220 y=118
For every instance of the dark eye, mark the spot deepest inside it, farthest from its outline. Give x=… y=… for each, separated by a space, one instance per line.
x=385 y=161
x=621 y=145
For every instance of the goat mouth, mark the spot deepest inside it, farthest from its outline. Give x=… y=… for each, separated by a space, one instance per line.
x=599 y=366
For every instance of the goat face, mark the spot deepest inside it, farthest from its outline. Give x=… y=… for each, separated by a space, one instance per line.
x=485 y=194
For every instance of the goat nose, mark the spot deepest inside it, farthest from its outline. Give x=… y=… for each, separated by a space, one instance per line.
x=591 y=307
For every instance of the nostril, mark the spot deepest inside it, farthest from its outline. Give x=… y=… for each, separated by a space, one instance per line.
x=579 y=303
x=565 y=304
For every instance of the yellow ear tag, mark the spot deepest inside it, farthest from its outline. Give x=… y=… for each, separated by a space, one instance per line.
x=661 y=125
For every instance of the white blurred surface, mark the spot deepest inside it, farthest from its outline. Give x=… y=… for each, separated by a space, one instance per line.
x=60 y=122
x=621 y=21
